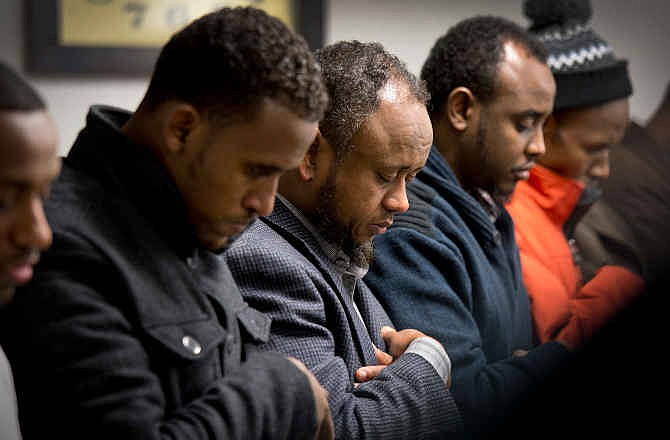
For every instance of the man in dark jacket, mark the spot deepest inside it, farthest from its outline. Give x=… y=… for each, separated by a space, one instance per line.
x=450 y=266
x=29 y=162
x=133 y=327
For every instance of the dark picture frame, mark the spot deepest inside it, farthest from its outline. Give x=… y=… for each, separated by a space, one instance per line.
x=45 y=54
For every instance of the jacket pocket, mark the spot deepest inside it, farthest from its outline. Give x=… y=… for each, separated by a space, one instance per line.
x=190 y=340
x=186 y=357
x=256 y=324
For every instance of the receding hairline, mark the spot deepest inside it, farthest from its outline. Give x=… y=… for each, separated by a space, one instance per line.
x=512 y=47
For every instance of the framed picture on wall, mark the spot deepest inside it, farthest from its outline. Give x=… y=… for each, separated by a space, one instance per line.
x=124 y=37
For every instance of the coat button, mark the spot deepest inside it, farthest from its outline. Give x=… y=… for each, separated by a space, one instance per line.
x=191 y=345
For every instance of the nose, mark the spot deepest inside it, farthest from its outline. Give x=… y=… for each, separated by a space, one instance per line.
x=600 y=168
x=261 y=198
x=536 y=146
x=31 y=229
x=396 y=199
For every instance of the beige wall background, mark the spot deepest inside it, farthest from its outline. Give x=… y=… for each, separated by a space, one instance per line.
x=638 y=31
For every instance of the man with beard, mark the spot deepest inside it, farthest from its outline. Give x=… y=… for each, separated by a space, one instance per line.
x=632 y=216
x=303 y=265
x=450 y=265
x=590 y=115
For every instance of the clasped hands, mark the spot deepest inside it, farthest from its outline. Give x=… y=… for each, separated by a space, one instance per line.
x=397 y=342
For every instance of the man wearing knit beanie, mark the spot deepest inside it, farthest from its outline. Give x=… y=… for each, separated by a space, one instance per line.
x=590 y=115
x=632 y=216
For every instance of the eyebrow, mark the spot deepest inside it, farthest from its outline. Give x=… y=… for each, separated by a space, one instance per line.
x=531 y=113
x=395 y=167
x=21 y=185
x=402 y=169
x=18 y=183
x=265 y=168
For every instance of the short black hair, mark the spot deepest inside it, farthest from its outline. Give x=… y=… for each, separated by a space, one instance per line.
x=354 y=73
x=227 y=61
x=16 y=93
x=469 y=54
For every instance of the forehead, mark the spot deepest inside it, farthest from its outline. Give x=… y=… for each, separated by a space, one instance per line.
x=605 y=123
x=273 y=136
x=523 y=82
x=399 y=127
x=28 y=145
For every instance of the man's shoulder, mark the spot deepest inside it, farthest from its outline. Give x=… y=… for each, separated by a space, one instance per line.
x=80 y=204
x=430 y=213
x=266 y=245
x=419 y=216
x=260 y=238
x=73 y=185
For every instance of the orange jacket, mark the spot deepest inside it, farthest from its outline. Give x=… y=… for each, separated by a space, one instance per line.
x=562 y=306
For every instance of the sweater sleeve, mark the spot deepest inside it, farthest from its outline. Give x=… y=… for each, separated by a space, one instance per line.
x=598 y=301
x=85 y=371
x=424 y=283
x=566 y=310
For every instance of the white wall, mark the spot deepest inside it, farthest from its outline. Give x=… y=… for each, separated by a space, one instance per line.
x=68 y=98
x=638 y=31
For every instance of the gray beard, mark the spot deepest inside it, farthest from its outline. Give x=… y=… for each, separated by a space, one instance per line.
x=324 y=219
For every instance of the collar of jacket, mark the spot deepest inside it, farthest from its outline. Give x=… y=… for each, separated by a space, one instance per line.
x=285 y=223
x=134 y=173
x=440 y=177
x=555 y=194
x=340 y=260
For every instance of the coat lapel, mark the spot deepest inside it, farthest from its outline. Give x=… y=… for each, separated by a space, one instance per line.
x=285 y=223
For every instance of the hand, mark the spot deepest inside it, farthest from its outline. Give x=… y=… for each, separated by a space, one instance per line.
x=398 y=341
x=324 y=422
x=364 y=374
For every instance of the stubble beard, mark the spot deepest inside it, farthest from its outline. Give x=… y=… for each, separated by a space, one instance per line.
x=492 y=188
x=326 y=222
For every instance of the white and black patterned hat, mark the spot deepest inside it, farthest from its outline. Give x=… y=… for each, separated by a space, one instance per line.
x=586 y=71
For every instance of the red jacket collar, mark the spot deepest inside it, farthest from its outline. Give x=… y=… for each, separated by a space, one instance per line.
x=556 y=194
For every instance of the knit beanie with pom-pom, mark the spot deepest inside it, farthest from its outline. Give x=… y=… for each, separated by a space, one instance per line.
x=586 y=71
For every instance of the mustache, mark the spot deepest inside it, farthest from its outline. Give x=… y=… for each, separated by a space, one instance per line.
x=386 y=222
x=525 y=167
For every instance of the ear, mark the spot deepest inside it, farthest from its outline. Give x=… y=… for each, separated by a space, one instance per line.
x=307 y=168
x=460 y=107
x=180 y=122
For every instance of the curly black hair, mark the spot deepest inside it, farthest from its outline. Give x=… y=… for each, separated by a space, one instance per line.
x=15 y=92
x=468 y=55
x=226 y=61
x=354 y=72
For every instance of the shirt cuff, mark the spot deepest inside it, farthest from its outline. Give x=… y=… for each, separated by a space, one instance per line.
x=433 y=352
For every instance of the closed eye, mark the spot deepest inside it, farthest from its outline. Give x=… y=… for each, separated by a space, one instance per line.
x=411 y=177
x=257 y=171
x=385 y=178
